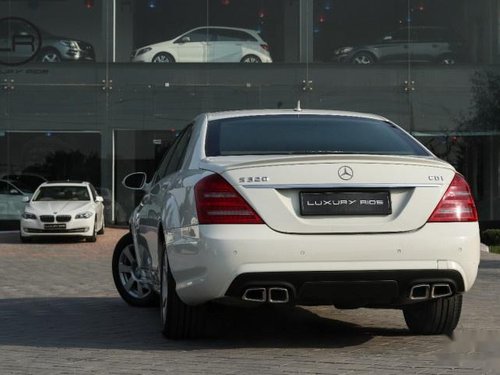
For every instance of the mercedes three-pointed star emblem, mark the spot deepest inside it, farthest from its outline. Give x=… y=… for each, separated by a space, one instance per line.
x=345 y=173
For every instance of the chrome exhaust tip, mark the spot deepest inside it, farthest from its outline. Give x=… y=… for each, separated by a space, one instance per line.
x=441 y=290
x=254 y=295
x=420 y=292
x=278 y=295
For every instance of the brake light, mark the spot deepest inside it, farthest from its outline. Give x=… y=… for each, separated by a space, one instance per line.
x=457 y=203
x=265 y=47
x=217 y=202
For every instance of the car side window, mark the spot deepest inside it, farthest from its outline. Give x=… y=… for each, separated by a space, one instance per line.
x=175 y=162
x=223 y=35
x=160 y=173
x=197 y=36
x=400 y=36
x=4 y=188
x=165 y=165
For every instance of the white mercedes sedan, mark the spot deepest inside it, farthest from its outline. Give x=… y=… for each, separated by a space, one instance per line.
x=299 y=207
x=63 y=208
x=211 y=44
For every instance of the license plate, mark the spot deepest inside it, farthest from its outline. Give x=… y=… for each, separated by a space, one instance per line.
x=345 y=203
x=55 y=226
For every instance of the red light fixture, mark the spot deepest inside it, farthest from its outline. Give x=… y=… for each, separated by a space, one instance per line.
x=225 y=2
x=217 y=202
x=457 y=204
x=322 y=19
x=89 y=4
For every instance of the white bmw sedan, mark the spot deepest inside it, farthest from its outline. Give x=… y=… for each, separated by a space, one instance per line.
x=63 y=209
x=300 y=207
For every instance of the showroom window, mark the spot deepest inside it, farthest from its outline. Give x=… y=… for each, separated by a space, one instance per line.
x=412 y=61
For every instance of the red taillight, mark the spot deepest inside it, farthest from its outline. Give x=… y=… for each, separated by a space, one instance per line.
x=265 y=47
x=217 y=202
x=457 y=203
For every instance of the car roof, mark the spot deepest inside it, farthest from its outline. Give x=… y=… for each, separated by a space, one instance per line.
x=302 y=112
x=66 y=183
x=226 y=28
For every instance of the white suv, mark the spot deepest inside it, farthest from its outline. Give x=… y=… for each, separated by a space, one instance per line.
x=208 y=44
x=300 y=207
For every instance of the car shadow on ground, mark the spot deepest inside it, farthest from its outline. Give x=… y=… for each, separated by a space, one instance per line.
x=111 y=324
x=13 y=238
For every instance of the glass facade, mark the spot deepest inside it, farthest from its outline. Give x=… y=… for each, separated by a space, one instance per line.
x=102 y=87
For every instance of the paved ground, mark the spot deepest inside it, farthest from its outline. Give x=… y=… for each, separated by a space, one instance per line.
x=60 y=314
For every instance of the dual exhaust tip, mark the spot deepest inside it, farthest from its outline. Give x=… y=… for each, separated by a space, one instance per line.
x=422 y=292
x=271 y=295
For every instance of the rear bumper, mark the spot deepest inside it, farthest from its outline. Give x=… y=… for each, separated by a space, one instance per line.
x=347 y=289
x=208 y=261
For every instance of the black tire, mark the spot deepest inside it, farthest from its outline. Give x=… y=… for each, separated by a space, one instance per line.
x=363 y=58
x=49 y=55
x=149 y=298
x=163 y=58
x=178 y=320
x=24 y=239
x=447 y=60
x=92 y=238
x=251 y=59
x=434 y=317
x=101 y=231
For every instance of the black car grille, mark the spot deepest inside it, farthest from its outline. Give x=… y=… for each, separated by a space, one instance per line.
x=57 y=230
x=87 y=50
x=47 y=218
x=63 y=218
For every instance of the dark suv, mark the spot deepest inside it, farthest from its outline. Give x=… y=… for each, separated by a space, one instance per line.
x=417 y=44
x=52 y=48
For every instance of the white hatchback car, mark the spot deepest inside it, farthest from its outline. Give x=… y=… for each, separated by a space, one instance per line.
x=300 y=207
x=63 y=209
x=208 y=44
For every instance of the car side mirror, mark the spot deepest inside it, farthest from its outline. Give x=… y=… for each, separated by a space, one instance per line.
x=185 y=39
x=387 y=38
x=13 y=192
x=26 y=199
x=135 y=181
x=99 y=199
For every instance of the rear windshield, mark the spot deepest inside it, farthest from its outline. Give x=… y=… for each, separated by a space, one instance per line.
x=307 y=134
x=62 y=193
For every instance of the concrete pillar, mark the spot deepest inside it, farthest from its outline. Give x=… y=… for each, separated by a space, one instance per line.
x=306 y=25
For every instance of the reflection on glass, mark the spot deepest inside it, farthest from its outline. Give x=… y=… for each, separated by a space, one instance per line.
x=212 y=31
x=421 y=31
x=48 y=31
x=136 y=151
x=477 y=158
x=28 y=159
x=208 y=44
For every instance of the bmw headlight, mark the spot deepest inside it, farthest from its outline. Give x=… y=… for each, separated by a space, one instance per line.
x=28 y=215
x=84 y=215
x=343 y=50
x=70 y=44
x=143 y=51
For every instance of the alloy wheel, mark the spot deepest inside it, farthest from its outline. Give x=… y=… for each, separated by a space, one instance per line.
x=130 y=274
x=251 y=59
x=162 y=58
x=362 y=60
x=50 y=57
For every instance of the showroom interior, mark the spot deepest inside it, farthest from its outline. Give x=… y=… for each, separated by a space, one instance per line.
x=101 y=118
